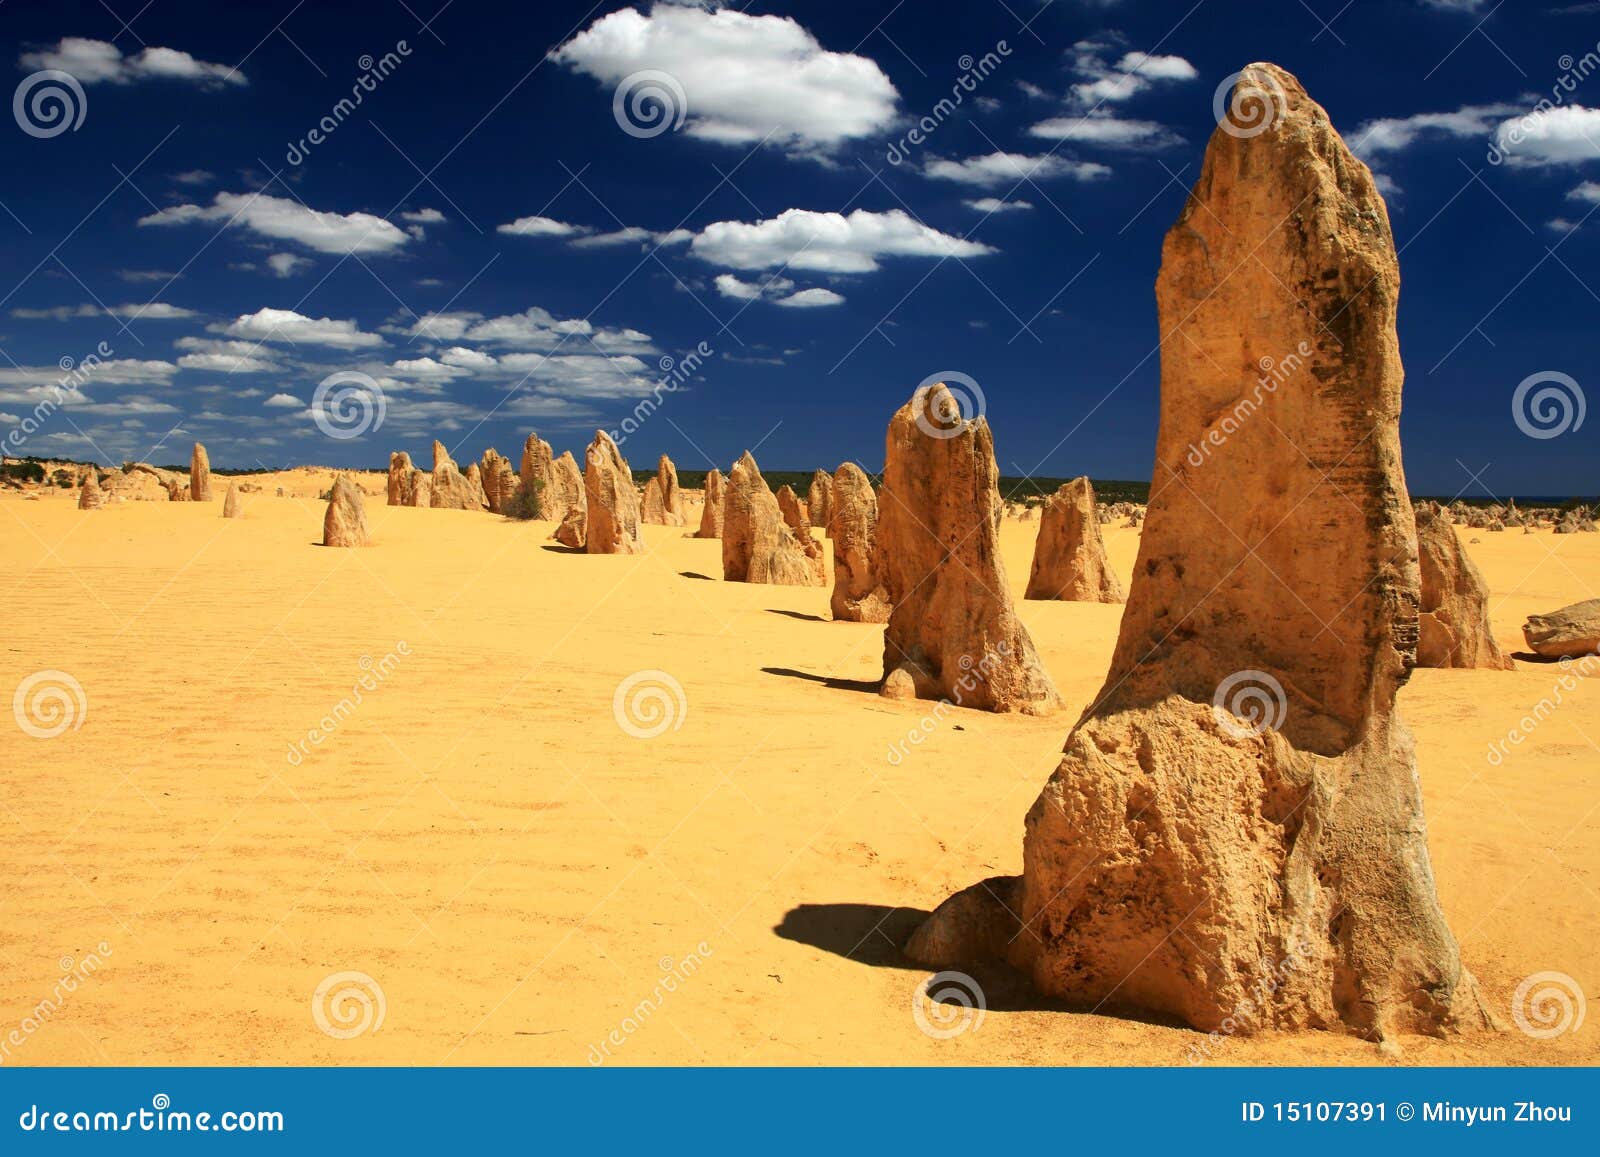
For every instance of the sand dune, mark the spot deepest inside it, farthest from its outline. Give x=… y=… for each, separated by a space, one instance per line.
x=517 y=873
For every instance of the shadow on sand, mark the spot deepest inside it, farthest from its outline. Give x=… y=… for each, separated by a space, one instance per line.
x=801 y=615
x=872 y=934
x=867 y=685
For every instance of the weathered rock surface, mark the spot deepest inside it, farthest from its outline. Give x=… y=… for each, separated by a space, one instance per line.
x=819 y=500
x=449 y=488
x=345 y=523
x=860 y=594
x=1069 y=556
x=402 y=485
x=798 y=519
x=501 y=485
x=1570 y=633
x=1453 y=617
x=231 y=503
x=573 y=530
x=662 y=501
x=711 y=512
x=757 y=545
x=1235 y=833
x=199 y=474
x=557 y=483
x=610 y=501
x=90 y=496
x=954 y=633
x=141 y=482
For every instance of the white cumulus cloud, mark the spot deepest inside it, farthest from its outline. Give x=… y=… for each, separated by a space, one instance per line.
x=743 y=78
x=811 y=299
x=93 y=61
x=995 y=169
x=285 y=325
x=283 y=219
x=826 y=242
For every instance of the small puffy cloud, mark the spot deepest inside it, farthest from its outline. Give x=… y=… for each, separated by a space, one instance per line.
x=542 y=227
x=1107 y=131
x=227 y=363
x=283 y=219
x=112 y=372
x=1569 y=135
x=427 y=370
x=287 y=264
x=1395 y=134
x=997 y=169
x=424 y=217
x=811 y=299
x=826 y=242
x=470 y=359
x=285 y=325
x=94 y=61
x=730 y=286
x=631 y=235
x=1103 y=81
x=735 y=79
x=444 y=326
x=996 y=205
x=1588 y=191
x=151 y=311
x=283 y=402
x=193 y=177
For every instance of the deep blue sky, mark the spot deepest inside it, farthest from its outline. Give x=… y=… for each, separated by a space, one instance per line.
x=1492 y=290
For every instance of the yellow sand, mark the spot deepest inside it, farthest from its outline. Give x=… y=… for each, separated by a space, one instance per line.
x=514 y=871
